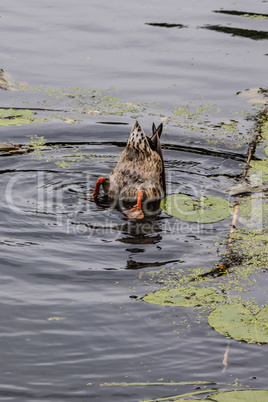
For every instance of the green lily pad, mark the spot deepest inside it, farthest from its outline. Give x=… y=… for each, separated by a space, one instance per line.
x=238 y=322
x=225 y=396
x=243 y=396
x=184 y=296
x=15 y=117
x=178 y=400
x=205 y=210
x=168 y=400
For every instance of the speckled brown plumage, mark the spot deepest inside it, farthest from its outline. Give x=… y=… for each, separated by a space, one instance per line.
x=140 y=167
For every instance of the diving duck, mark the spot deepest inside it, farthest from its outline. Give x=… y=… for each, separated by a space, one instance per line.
x=139 y=173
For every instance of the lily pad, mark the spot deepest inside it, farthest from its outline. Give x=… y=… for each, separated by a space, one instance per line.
x=184 y=296
x=205 y=210
x=15 y=117
x=225 y=396
x=238 y=322
x=177 y=400
x=243 y=396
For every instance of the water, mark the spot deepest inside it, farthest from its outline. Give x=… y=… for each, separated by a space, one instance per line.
x=72 y=271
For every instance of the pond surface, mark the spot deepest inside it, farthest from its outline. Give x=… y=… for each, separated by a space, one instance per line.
x=73 y=272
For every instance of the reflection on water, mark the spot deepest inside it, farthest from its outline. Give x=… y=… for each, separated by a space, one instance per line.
x=244 y=33
x=165 y=25
x=244 y=14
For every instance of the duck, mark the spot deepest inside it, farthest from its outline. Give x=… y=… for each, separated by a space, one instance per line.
x=139 y=174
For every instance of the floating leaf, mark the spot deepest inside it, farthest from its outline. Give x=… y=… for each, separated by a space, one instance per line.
x=205 y=210
x=243 y=396
x=168 y=400
x=15 y=117
x=238 y=322
x=56 y=318
x=175 y=400
x=184 y=296
x=225 y=396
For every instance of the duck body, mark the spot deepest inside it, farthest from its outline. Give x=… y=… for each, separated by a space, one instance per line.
x=139 y=170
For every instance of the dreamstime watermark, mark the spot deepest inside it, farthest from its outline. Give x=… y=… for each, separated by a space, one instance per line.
x=51 y=197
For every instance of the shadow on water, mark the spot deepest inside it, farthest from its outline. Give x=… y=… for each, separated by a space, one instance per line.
x=113 y=123
x=205 y=151
x=140 y=265
x=244 y=33
x=165 y=25
x=242 y=13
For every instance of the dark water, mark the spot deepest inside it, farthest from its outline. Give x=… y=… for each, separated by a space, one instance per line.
x=63 y=256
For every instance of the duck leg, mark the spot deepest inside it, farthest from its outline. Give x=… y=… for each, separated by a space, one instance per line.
x=97 y=187
x=136 y=211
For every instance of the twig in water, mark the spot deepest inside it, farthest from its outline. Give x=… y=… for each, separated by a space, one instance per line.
x=34 y=108
x=251 y=152
x=225 y=357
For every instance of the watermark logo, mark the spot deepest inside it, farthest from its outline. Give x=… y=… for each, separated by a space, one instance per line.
x=62 y=199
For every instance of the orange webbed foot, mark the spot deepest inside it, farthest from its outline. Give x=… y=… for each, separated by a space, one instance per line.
x=96 y=191
x=136 y=211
